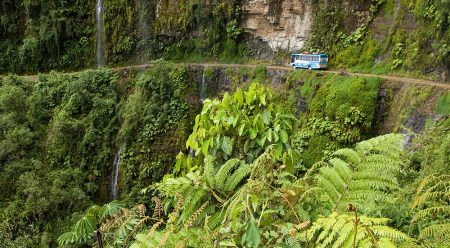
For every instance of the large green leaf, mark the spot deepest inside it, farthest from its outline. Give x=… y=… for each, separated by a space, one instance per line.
x=267 y=116
x=284 y=136
x=253 y=133
x=252 y=238
x=239 y=97
x=205 y=147
x=241 y=129
x=227 y=145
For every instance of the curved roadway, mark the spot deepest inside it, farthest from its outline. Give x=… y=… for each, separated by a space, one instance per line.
x=407 y=80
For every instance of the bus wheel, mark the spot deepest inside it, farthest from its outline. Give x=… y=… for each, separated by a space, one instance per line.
x=309 y=67
x=293 y=67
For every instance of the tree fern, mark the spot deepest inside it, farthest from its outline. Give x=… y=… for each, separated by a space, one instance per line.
x=197 y=187
x=84 y=229
x=362 y=176
x=339 y=230
x=432 y=203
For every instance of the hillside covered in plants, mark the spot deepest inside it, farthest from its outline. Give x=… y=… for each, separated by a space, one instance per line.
x=186 y=150
x=248 y=162
x=405 y=37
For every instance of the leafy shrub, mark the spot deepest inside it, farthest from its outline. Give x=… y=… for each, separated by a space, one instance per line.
x=239 y=126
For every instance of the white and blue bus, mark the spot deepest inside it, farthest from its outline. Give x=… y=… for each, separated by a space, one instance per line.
x=309 y=61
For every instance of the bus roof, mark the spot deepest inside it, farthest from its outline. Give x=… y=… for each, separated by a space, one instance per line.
x=310 y=54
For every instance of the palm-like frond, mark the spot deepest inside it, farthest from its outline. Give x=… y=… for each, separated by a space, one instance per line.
x=441 y=231
x=109 y=209
x=363 y=175
x=85 y=228
x=339 y=230
x=68 y=238
x=432 y=201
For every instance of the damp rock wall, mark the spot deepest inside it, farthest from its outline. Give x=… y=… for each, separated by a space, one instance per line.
x=283 y=24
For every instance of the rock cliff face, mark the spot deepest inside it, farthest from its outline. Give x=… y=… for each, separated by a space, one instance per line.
x=282 y=24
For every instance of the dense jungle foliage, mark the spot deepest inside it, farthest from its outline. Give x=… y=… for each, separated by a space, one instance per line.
x=59 y=136
x=245 y=183
x=261 y=166
x=205 y=156
x=379 y=36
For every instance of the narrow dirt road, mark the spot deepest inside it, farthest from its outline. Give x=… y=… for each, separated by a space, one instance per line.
x=406 y=80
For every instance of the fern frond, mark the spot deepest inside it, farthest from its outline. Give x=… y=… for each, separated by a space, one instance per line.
x=222 y=174
x=209 y=170
x=192 y=202
x=158 y=208
x=236 y=178
x=439 y=231
x=437 y=187
x=349 y=155
x=195 y=216
x=263 y=165
x=362 y=176
x=387 y=144
x=432 y=211
x=340 y=230
x=433 y=202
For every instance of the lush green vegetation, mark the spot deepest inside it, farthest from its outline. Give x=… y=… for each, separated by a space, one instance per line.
x=255 y=172
x=385 y=36
x=379 y=36
x=266 y=160
x=59 y=136
x=41 y=35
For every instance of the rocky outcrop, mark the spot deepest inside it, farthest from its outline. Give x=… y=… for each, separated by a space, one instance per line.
x=282 y=24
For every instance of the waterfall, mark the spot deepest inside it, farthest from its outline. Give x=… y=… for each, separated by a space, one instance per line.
x=144 y=32
x=115 y=176
x=99 y=20
x=203 y=86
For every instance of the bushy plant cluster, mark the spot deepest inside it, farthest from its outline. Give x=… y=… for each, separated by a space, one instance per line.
x=217 y=27
x=156 y=119
x=335 y=117
x=59 y=136
x=378 y=37
x=343 y=200
x=40 y=35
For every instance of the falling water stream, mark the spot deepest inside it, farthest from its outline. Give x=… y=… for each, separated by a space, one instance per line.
x=99 y=20
x=202 y=87
x=115 y=176
x=144 y=31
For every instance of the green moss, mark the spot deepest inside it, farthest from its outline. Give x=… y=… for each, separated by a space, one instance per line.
x=209 y=72
x=293 y=79
x=337 y=96
x=443 y=105
x=317 y=145
x=359 y=57
x=260 y=73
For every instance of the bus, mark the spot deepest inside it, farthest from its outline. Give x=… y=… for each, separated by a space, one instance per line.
x=309 y=61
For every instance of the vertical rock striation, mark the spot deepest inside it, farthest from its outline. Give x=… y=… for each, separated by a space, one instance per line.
x=282 y=24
